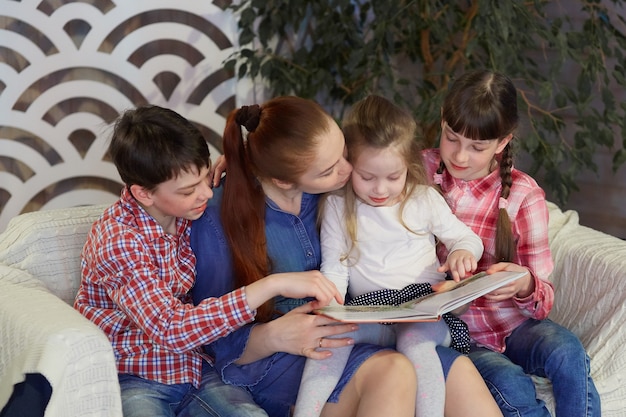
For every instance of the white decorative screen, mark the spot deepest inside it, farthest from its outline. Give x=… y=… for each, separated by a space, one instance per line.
x=67 y=68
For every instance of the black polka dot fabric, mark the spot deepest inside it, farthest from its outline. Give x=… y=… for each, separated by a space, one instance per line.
x=458 y=328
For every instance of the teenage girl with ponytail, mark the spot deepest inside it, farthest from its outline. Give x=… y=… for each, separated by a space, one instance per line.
x=512 y=338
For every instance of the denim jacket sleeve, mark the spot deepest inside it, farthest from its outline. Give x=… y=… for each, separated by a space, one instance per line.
x=230 y=348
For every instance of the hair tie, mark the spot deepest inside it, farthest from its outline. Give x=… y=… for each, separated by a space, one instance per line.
x=248 y=117
x=438 y=178
x=503 y=203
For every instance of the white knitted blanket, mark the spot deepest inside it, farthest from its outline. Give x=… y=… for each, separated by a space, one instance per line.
x=39 y=330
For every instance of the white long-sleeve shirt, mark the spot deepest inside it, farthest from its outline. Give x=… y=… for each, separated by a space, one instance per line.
x=388 y=255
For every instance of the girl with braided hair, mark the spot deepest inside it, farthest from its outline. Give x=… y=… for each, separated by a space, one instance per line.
x=511 y=336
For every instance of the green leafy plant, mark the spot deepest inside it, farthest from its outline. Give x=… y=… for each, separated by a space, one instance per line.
x=565 y=67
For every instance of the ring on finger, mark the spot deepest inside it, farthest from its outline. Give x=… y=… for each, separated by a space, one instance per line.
x=320 y=342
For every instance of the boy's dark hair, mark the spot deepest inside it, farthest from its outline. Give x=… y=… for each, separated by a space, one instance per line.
x=152 y=144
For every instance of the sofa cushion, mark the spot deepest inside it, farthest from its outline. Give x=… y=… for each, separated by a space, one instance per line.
x=47 y=244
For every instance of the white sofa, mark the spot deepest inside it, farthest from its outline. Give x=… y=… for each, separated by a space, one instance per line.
x=40 y=332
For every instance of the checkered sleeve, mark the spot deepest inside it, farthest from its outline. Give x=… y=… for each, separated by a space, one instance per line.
x=533 y=251
x=151 y=295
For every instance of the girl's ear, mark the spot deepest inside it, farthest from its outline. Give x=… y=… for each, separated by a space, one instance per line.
x=505 y=141
x=142 y=194
x=284 y=185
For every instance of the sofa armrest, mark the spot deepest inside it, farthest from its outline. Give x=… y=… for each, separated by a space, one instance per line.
x=48 y=244
x=590 y=298
x=42 y=334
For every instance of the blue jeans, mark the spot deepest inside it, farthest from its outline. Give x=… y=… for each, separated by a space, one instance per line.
x=144 y=398
x=545 y=349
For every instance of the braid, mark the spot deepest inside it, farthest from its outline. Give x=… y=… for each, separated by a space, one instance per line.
x=506 y=165
x=505 y=243
x=441 y=167
x=438 y=176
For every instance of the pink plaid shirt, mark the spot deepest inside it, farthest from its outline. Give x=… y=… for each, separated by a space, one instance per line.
x=476 y=204
x=135 y=284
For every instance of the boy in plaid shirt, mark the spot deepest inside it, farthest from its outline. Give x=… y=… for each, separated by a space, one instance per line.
x=138 y=269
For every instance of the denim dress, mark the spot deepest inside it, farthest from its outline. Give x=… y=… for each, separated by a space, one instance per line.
x=293 y=245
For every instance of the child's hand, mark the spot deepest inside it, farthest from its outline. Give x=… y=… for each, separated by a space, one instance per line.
x=460 y=263
x=293 y=285
x=447 y=285
x=520 y=288
x=217 y=169
x=443 y=286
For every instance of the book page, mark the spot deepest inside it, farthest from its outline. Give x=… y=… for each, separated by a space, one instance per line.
x=374 y=314
x=428 y=308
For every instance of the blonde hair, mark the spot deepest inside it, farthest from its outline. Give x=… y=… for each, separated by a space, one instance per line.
x=375 y=122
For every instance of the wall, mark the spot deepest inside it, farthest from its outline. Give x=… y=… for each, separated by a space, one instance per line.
x=601 y=199
x=67 y=68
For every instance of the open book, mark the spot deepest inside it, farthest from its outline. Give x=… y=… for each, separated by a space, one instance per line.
x=428 y=308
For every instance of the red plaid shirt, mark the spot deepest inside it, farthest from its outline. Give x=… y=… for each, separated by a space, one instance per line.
x=135 y=284
x=476 y=204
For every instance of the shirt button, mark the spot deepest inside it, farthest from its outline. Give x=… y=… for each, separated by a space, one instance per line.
x=309 y=254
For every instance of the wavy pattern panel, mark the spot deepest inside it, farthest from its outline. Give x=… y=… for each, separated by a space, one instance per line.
x=67 y=68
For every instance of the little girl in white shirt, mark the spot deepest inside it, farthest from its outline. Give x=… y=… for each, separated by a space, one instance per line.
x=380 y=233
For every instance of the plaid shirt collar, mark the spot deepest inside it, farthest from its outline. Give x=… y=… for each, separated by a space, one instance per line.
x=145 y=222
